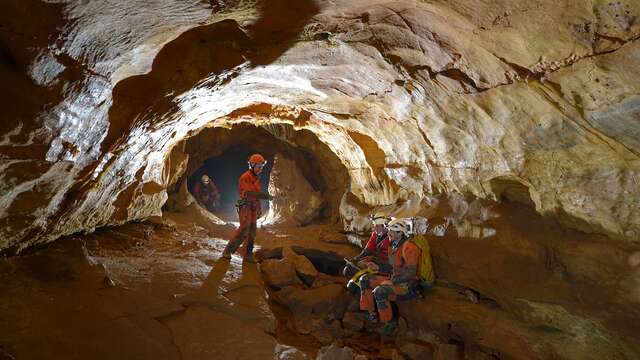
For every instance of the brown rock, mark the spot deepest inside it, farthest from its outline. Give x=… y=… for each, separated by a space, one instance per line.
x=323 y=279
x=334 y=352
x=279 y=273
x=323 y=336
x=264 y=254
x=305 y=269
x=335 y=328
x=328 y=302
x=416 y=351
x=296 y=202
x=447 y=352
x=352 y=322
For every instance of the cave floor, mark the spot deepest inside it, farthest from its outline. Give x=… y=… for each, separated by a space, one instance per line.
x=152 y=290
x=159 y=290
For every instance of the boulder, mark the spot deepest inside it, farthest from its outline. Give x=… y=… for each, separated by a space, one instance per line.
x=284 y=352
x=305 y=270
x=333 y=352
x=352 y=322
x=324 y=280
x=328 y=302
x=447 y=352
x=415 y=351
x=279 y=273
x=264 y=254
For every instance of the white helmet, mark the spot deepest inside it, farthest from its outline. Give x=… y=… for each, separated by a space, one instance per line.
x=205 y=178
x=399 y=225
x=419 y=225
x=379 y=219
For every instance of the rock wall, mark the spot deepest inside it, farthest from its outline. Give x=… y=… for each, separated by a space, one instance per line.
x=296 y=202
x=412 y=97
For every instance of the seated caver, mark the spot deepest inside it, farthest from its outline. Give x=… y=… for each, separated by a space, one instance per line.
x=378 y=289
x=372 y=259
x=376 y=251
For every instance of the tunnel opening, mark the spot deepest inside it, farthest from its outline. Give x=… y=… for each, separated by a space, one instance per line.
x=224 y=171
x=303 y=173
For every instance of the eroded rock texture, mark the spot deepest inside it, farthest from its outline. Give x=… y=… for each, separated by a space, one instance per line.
x=412 y=97
x=394 y=101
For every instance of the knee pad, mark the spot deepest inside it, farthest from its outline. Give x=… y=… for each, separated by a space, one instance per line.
x=381 y=294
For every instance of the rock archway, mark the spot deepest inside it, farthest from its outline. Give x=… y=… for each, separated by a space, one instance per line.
x=302 y=169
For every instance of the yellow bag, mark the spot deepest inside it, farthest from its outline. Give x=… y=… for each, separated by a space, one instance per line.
x=425 y=266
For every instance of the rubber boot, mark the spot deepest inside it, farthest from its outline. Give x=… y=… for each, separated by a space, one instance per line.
x=388 y=329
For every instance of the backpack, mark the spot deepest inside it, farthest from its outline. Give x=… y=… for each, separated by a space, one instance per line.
x=425 y=265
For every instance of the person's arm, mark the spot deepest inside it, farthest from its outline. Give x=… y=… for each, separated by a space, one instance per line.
x=411 y=256
x=364 y=253
x=369 y=249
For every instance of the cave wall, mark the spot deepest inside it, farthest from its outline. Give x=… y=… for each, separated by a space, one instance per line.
x=412 y=97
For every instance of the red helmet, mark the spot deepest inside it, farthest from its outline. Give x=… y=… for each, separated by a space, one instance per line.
x=257 y=159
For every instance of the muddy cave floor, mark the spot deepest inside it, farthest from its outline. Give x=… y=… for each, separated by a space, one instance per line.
x=152 y=290
x=159 y=290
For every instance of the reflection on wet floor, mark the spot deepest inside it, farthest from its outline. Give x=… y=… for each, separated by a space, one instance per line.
x=142 y=290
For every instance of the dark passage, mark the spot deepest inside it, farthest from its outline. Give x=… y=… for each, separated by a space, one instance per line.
x=224 y=170
x=302 y=159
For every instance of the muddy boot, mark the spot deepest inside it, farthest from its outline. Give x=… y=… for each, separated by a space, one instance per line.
x=367 y=316
x=226 y=254
x=387 y=330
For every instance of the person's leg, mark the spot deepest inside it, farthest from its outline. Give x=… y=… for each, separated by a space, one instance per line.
x=251 y=238
x=383 y=294
x=367 y=284
x=240 y=234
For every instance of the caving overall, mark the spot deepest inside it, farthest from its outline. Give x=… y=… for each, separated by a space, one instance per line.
x=248 y=212
x=403 y=258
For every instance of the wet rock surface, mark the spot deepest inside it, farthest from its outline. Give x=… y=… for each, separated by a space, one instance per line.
x=147 y=290
x=399 y=99
x=393 y=106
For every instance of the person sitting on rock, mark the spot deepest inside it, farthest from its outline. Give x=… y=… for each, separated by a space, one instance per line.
x=404 y=258
x=206 y=192
x=375 y=253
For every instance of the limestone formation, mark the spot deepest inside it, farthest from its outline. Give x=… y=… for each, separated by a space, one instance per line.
x=296 y=202
x=443 y=109
x=411 y=97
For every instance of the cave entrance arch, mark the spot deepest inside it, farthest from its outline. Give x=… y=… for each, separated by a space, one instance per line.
x=306 y=176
